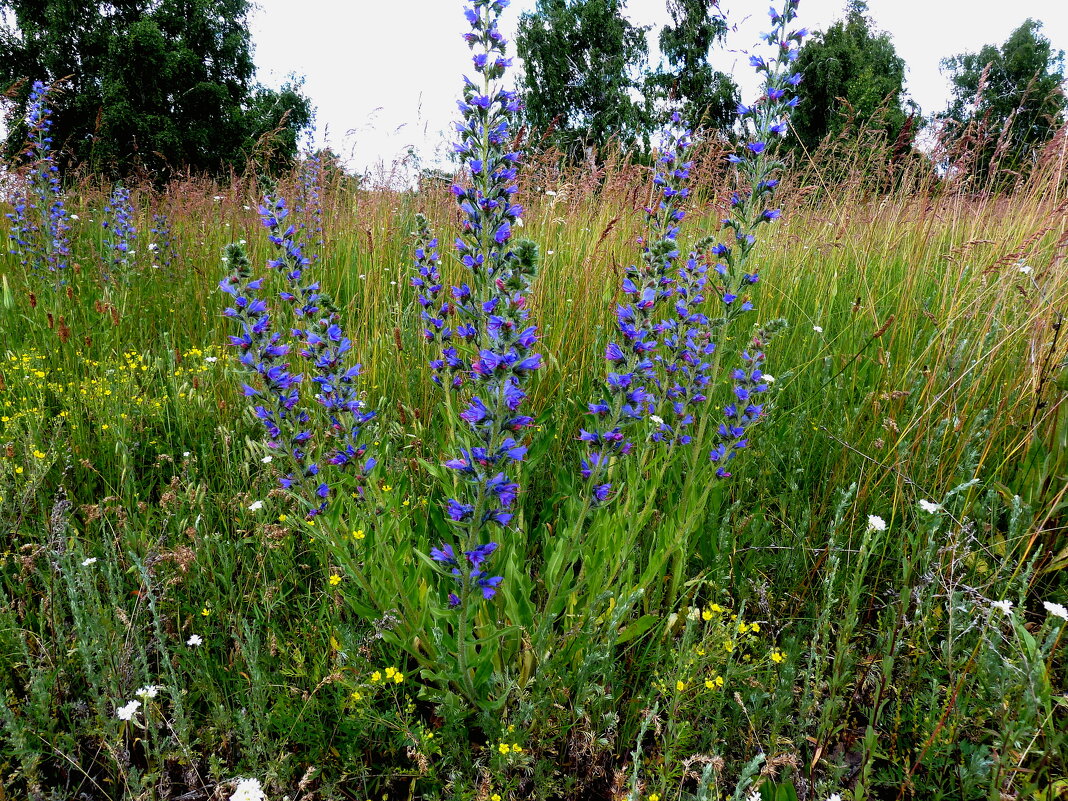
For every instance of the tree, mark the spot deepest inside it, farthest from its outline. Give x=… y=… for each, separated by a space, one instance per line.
x=581 y=59
x=851 y=73
x=703 y=96
x=1011 y=96
x=145 y=84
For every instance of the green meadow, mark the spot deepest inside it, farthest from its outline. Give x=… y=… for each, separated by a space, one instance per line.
x=867 y=607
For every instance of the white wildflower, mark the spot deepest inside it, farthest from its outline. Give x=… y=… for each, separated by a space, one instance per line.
x=75 y=217
x=769 y=379
x=152 y=247
x=127 y=712
x=248 y=790
x=211 y=359
x=150 y=691
x=550 y=252
x=818 y=329
x=217 y=198
x=267 y=459
x=550 y=193
x=834 y=797
x=194 y=640
x=519 y=222
x=658 y=420
x=930 y=507
x=876 y=523
x=247 y=208
x=1005 y=606
x=1026 y=269
x=1057 y=610
x=90 y=561
x=255 y=506
x=155 y=266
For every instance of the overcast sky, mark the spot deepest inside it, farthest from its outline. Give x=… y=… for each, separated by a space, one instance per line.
x=385 y=75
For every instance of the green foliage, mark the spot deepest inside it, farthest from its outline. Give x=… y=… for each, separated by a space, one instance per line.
x=703 y=96
x=1007 y=102
x=148 y=86
x=852 y=77
x=581 y=69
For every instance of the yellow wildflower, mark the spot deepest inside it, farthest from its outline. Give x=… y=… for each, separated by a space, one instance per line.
x=503 y=748
x=335 y=580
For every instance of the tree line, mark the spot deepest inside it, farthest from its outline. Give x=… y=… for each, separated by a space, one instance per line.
x=164 y=85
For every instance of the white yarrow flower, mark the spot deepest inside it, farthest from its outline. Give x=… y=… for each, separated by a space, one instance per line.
x=930 y=506
x=769 y=379
x=1057 y=610
x=194 y=640
x=248 y=790
x=127 y=712
x=255 y=506
x=1004 y=606
x=267 y=459
x=90 y=561
x=151 y=691
x=818 y=329
x=876 y=523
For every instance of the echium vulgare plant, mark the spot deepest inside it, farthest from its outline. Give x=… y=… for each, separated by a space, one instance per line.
x=487 y=355
x=751 y=207
x=163 y=247
x=120 y=234
x=312 y=465
x=661 y=365
x=39 y=223
x=633 y=381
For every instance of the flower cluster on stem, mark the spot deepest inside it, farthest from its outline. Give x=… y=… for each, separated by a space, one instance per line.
x=489 y=353
x=263 y=356
x=162 y=247
x=40 y=222
x=317 y=325
x=633 y=383
x=751 y=208
x=120 y=234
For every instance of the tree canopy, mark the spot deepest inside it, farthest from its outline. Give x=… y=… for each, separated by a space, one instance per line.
x=1007 y=100
x=147 y=84
x=850 y=71
x=582 y=77
x=690 y=86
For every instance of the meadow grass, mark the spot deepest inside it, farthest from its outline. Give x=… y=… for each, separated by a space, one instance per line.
x=768 y=639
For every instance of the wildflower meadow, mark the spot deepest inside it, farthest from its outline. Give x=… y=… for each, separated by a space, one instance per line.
x=708 y=475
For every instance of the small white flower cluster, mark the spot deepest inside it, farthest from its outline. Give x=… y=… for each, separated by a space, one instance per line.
x=1056 y=610
x=876 y=523
x=129 y=711
x=930 y=507
x=1004 y=605
x=248 y=790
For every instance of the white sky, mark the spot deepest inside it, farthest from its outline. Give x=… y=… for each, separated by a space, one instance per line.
x=385 y=75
